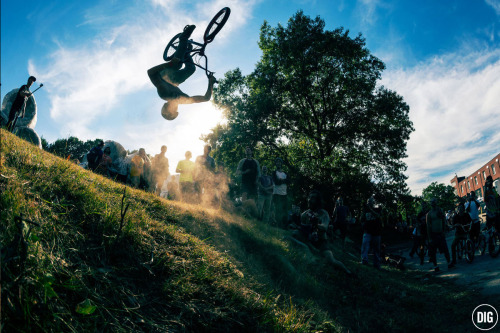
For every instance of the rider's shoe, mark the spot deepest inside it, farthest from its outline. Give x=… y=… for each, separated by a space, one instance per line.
x=436 y=269
x=188 y=30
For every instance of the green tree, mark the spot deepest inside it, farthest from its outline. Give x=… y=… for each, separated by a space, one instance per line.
x=313 y=99
x=445 y=195
x=45 y=144
x=72 y=146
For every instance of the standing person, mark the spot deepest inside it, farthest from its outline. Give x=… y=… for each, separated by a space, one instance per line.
x=136 y=170
x=460 y=222
x=312 y=230
x=279 y=194
x=173 y=189
x=472 y=207
x=145 y=179
x=492 y=201
x=341 y=216
x=436 y=226
x=186 y=169
x=372 y=232
x=105 y=164
x=94 y=156
x=265 y=184
x=19 y=105
x=249 y=170
x=204 y=175
x=420 y=233
x=160 y=170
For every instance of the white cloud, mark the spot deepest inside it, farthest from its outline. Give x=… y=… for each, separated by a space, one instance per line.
x=454 y=107
x=89 y=82
x=495 y=4
x=367 y=11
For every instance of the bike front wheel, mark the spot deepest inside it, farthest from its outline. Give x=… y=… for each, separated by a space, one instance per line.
x=216 y=24
x=469 y=251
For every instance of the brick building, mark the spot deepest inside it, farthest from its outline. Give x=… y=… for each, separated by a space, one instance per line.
x=475 y=181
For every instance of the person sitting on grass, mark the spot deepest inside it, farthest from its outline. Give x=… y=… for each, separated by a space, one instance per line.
x=312 y=230
x=166 y=77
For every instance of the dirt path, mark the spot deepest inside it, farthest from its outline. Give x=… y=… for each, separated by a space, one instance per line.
x=483 y=274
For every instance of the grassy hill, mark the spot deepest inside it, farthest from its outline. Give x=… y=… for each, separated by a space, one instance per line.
x=173 y=267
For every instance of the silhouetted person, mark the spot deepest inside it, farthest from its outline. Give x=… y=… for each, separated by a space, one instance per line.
x=204 y=171
x=249 y=170
x=341 y=215
x=372 y=233
x=94 y=156
x=460 y=222
x=266 y=185
x=186 y=170
x=280 y=194
x=18 y=107
x=166 y=77
x=136 y=169
x=160 y=167
x=436 y=228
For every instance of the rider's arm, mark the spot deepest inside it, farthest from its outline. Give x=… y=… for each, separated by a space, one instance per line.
x=208 y=94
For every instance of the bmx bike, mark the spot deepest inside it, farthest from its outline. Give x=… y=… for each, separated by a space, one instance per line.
x=466 y=247
x=197 y=51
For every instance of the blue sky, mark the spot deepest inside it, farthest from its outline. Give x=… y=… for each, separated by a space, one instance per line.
x=443 y=57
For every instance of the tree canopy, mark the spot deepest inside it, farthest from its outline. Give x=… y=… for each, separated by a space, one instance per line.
x=313 y=100
x=444 y=194
x=72 y=146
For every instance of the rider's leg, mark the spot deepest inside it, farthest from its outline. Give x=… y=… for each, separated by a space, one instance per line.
x=182 y=47
x=334 y=262
x=179 y=76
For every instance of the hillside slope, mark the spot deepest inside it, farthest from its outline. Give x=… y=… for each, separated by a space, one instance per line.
x=174 y=267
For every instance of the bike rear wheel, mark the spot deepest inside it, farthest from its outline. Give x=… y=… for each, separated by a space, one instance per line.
x=469 y=251
x=494 y=245
x=481 y=244
x=216 y=24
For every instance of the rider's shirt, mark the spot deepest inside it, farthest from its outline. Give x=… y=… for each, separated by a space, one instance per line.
x=279 y=183
x=473 y=210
